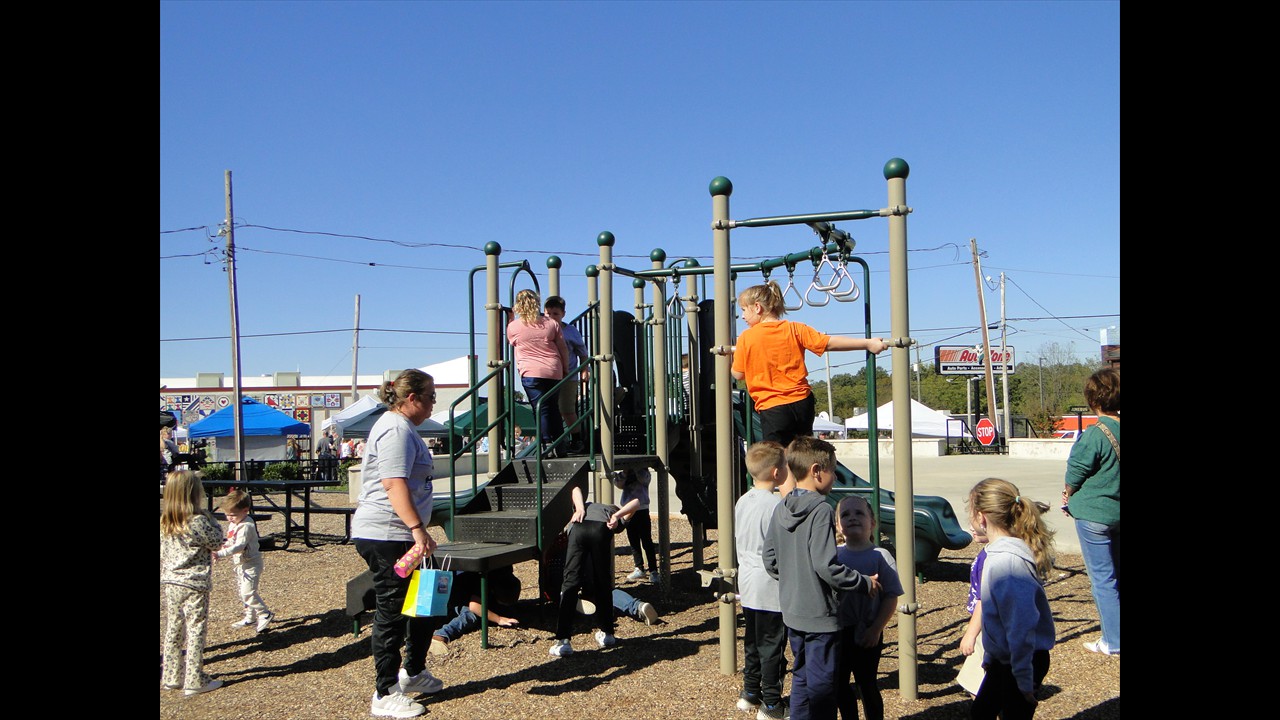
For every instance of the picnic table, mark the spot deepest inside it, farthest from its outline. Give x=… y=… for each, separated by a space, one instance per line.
x=292 y=489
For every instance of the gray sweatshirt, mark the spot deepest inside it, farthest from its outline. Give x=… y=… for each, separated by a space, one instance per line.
x=800 y=552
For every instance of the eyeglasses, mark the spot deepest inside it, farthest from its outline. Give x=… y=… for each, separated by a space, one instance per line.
x=428 y=398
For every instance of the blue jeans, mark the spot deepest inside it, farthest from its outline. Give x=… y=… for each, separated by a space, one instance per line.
x=463 y=622
x=1100 y=547
x=549 y=419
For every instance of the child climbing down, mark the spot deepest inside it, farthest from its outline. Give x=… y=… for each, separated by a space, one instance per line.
x=635 y=486
x=188 y=538
x=863 y=617
x=1017 y=625
x=770 y=358
x=242 y=547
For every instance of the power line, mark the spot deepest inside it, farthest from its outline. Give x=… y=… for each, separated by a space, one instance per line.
x=318 y=332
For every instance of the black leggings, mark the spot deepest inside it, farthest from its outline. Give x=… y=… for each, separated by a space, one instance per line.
x=640 y=535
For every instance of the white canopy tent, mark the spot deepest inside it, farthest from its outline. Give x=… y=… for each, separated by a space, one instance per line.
x=925 y=422
x=824 y=425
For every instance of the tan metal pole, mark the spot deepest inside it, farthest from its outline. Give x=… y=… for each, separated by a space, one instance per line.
x=663 y=416
x=721 y=188
x=607 y=427
x=895 y=172
x=696 y=411
x=496 y=337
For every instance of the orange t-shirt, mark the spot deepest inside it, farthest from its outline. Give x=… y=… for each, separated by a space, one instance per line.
x=771 y=358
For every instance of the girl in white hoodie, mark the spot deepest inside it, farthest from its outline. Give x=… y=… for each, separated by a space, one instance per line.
x=1017 y=625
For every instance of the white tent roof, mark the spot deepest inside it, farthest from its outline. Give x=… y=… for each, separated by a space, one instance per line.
x=451 y=372
x=925 y=422
x=820 y=425
x=353 y=412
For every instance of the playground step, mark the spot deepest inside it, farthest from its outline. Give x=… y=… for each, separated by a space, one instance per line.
x=518 y=497
x=497 y=526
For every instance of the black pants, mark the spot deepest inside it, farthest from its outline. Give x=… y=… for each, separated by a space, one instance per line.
x=640 y=535
x=999 y=694
x=391 y=630
x=590 y=551
x=765 y=665
x=863 y=664
x=785 y=423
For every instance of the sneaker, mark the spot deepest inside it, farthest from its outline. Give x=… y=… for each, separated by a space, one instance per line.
x=396 y=705
x=648 y=613
x=774 y=712
x=635 y=575
x=1100 y=647
x=560 y=648
x=423 y=682
x=248 y=621
x=265 y=620
x=439 y=646
x=586 y=607
x=748 y=701
x=604 y=639
x=167 y=686
x=654 y=579
x=210 y=686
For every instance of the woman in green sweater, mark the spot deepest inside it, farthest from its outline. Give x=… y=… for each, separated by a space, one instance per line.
x=1092 y=497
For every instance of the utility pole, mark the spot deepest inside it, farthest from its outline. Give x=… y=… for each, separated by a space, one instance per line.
x=986 y=341
x=355 y=353
x=1004 y=366
x=237 y=412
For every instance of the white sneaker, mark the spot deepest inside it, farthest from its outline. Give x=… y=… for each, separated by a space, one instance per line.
x=604 y=639
x=648 y=613
x=560 y=648
x=439 y=646
x=586 y=607
x=248 y=621
x=396 y=705
x=265 y=620
x=212 y=685
x=635 y=575
x=423 y=682
x=1100 y=647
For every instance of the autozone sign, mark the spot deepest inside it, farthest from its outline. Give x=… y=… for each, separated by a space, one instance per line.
x=967 y=360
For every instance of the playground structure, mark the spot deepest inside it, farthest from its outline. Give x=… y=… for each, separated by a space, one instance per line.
x=643 y=351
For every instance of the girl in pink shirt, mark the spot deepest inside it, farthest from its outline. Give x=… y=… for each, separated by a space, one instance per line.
x=541 y=359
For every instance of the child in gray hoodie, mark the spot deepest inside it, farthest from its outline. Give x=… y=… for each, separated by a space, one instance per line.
x=800 y=552
x=1017 y=625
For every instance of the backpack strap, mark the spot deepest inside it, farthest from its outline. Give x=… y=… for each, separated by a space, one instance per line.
x=1114 y=443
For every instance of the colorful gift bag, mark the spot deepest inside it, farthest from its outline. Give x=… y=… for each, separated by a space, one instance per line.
x=429 y=590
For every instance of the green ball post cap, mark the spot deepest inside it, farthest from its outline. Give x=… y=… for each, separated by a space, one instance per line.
x=592 y=271
x=896 y=168
x=553 y=262
x=692 y=262
x=637 y=283
x=605 y=239
x=492 y=248
x=658 y=255
x=721 y=186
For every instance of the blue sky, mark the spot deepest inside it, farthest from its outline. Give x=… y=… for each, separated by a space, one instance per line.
x=392 y=133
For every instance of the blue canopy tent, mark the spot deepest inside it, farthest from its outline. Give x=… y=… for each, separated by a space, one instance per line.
x=264 y=431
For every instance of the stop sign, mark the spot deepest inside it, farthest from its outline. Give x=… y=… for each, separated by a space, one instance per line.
x=986 y=431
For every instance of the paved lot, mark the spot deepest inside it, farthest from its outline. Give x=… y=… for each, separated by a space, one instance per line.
x=952 y=476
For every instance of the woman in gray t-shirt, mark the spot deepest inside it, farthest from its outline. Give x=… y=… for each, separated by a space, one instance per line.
x=390 y=520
